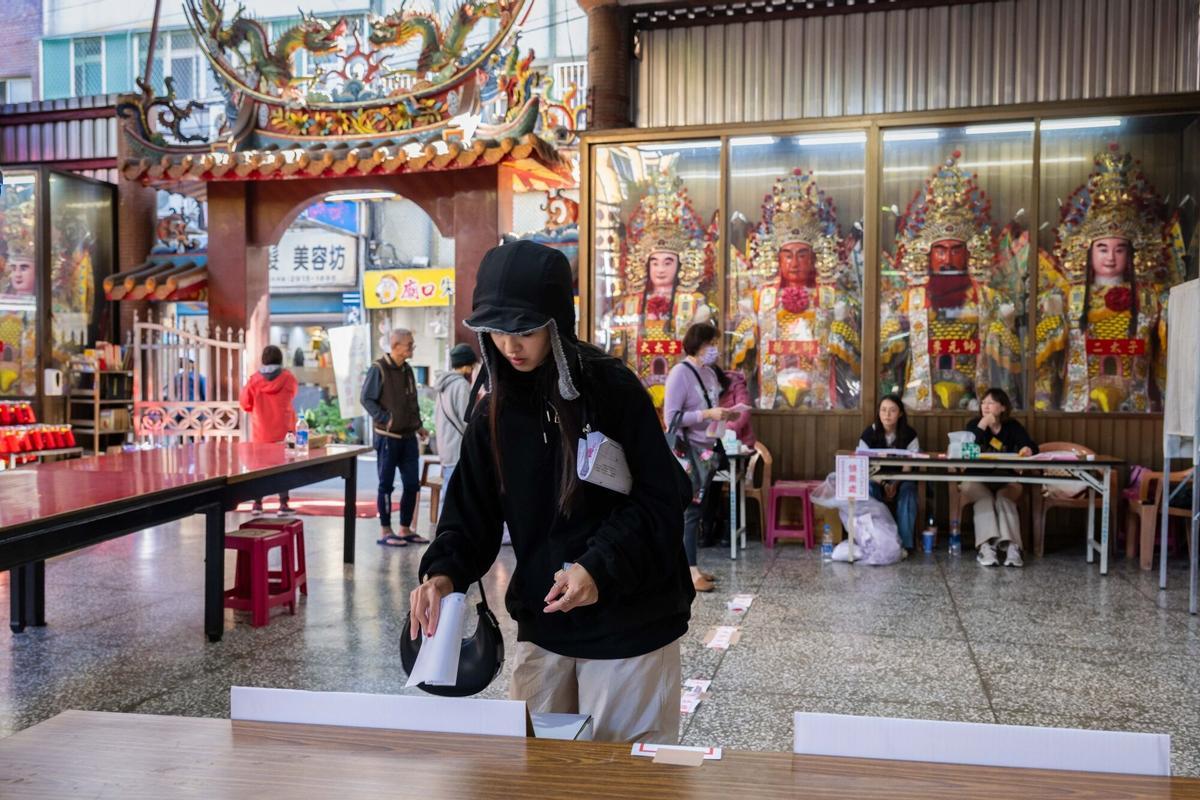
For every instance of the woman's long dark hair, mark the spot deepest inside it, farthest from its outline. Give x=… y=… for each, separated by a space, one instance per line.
x=1127 y=278
x=566 y=417
x=901 y=422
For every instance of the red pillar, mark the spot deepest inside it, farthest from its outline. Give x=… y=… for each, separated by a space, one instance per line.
x=237 y=269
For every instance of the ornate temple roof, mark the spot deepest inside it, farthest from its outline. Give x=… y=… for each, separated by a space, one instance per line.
x=536 y=159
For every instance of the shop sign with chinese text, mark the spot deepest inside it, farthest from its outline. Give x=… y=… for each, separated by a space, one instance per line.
x=309 y=259
x=408 y=288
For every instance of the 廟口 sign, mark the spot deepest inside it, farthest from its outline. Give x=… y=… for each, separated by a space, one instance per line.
x=408 y=288
x=311 y=259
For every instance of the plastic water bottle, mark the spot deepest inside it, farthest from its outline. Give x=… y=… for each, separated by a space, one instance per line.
x=955 y=539
x=301 y=437
x=827 y=545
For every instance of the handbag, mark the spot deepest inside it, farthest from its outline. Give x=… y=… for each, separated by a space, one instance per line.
x=480 y=658
x=700 y=465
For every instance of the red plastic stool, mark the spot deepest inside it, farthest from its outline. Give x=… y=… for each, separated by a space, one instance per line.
x=255 y=588
x=296 y=528
x=807 y=530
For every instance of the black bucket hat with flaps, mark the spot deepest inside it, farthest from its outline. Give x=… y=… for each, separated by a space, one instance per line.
x=480 y=658
x=522 y=287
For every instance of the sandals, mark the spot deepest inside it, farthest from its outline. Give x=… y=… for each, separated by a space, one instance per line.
x=702 y=584
x=415 y=538
x=392 y=540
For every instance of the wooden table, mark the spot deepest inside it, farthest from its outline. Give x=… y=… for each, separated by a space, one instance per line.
x=1094 y=473
x=47 y=510
x=130 y=756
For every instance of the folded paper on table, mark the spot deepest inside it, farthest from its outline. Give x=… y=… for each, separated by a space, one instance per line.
x=982 y=744
x=437 y=662
x=889 y=452
x=648 y=750
x=602 y=461
x=394 y=712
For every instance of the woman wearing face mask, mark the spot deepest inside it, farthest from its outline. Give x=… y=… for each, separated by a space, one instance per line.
x=691 y=406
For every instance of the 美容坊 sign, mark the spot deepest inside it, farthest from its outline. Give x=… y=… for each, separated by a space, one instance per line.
x=313 y=259
x=408 y=288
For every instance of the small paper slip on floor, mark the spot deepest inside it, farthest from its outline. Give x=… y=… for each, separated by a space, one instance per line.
x=437 y=662
x=650 y=750
x=740 y=603
x=688 y=702
x=696 y=685
x=722 y=636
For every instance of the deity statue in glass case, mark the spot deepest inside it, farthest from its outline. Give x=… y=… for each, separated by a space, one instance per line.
x=949 y=330
x=1101 y=335
x=803 y=317
x=667 y=260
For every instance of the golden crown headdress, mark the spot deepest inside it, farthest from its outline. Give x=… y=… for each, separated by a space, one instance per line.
x=665 y=221
x=951 y=206
x=1116 y=202
x=796 y=210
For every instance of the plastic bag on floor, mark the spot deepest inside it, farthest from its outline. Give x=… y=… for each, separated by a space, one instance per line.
x=876 y=538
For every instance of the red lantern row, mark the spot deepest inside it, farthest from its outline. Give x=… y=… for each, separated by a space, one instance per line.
x=16 y=414
x=33 y=438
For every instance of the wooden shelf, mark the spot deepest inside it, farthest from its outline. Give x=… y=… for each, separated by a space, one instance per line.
x=89 y=399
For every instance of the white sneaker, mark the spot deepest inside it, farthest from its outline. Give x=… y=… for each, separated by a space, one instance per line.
x=987 y=555
x=1013 y=559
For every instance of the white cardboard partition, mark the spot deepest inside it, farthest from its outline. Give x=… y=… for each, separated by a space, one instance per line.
x=982 y=744
x=356 y=710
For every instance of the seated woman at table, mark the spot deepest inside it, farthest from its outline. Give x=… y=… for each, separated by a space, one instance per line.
x=997 y=523
x=891 y=431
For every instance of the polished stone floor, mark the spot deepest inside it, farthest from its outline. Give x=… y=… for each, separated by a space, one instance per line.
x=1053 y=644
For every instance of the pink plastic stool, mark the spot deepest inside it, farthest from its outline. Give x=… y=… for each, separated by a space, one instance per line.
x=807 y=529
x=296 y=528
x=256 y=589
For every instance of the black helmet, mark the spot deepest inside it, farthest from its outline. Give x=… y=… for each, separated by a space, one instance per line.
x=479 y=660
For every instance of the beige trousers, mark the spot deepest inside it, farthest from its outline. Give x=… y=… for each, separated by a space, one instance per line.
x=630 y=699
x=996 y=514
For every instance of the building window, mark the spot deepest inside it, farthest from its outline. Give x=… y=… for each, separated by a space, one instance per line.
x=185 y=60
x=16 y=90
x=88 y=72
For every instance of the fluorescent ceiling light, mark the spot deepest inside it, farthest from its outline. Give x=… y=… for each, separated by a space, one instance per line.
x=1081 y=123
x=912 y=135
x=753 y=141
x=699 y=145
x=1001 y=127
x=371 y=194
x=815 y=139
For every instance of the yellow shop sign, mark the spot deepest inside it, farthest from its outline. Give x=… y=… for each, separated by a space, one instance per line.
x=408 y=288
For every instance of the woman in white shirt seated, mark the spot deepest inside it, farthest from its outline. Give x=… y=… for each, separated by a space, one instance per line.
x=891 y=430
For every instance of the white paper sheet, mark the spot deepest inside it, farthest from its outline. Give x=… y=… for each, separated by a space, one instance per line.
x=698 y=685
x=739 y=603
x=395 y=712
x=723 y=637
x=601 y=461
x=982 y=744
x=437 y=663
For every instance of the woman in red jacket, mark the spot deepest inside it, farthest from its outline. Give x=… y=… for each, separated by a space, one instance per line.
x=267 y=397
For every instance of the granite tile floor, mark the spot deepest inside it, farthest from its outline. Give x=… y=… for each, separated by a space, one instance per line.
x=933 y=637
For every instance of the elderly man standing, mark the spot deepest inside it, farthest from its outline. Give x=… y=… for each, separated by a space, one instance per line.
x=390 y=396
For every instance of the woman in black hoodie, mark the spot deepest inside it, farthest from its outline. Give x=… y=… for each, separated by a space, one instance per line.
x=601 y=591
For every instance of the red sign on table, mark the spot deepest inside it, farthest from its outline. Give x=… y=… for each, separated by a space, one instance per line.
x=659 y=347
x=794 y=347
x=940 y=347
x=1116 y=347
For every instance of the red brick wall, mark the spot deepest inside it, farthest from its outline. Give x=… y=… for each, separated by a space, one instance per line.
x=20 y=30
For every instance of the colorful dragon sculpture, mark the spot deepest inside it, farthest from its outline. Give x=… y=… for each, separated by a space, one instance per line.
x=272 y=61
x=441 y=47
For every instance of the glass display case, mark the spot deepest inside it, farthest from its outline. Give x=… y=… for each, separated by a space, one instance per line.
x=19 y=284
x=952 y=306
x=1118 y=221
x=654 y=251
x=794 y=281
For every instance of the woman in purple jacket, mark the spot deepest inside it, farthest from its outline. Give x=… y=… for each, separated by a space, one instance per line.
x=693 y=395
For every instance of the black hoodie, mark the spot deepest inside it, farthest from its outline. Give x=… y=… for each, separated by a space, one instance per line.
x=631 y=545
